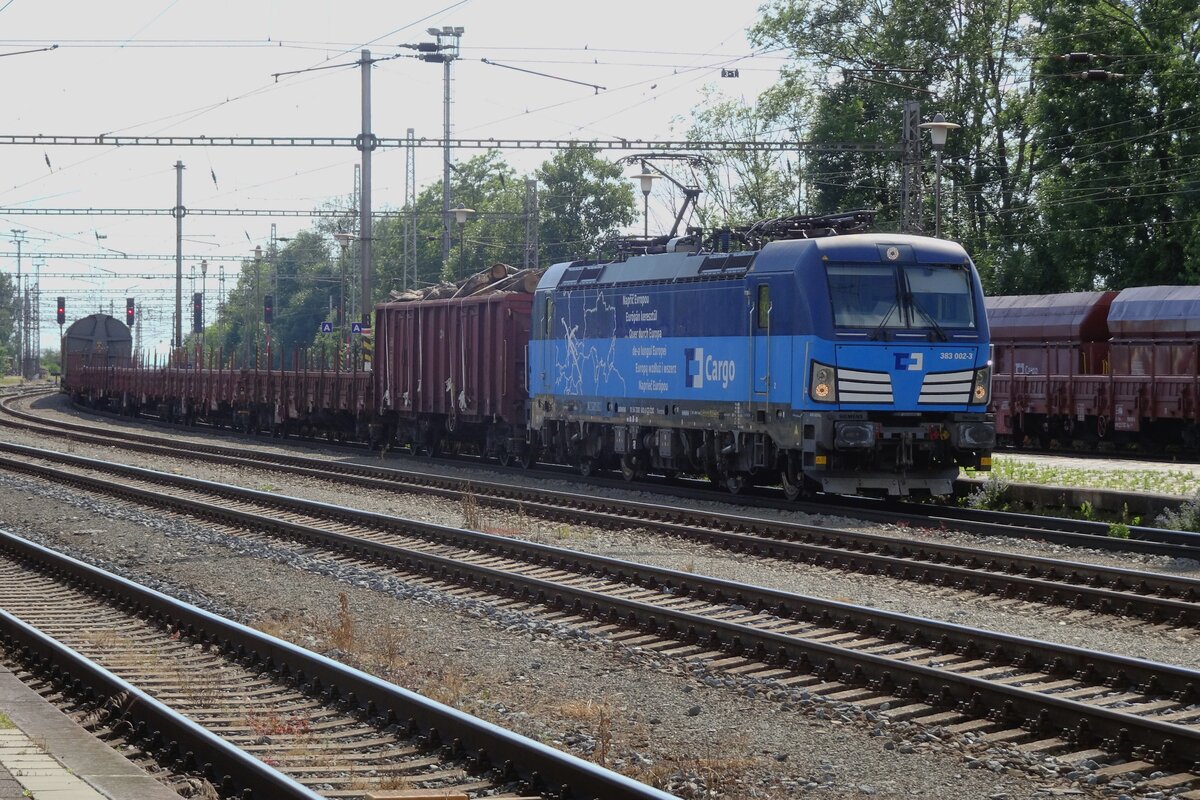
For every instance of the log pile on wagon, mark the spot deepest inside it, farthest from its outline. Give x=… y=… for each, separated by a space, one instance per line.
x=495 y=279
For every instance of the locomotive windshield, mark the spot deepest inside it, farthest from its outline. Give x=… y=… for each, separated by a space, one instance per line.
x=906 y=296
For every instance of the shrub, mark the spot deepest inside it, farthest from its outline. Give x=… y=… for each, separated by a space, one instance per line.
x=1184 y=518
x=992 y=494
x=1118 y=530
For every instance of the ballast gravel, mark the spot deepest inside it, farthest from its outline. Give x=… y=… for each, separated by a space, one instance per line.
x=1131 y=637
x=677 y=725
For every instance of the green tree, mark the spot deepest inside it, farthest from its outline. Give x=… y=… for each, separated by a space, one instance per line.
x=1117 y=192
x=585 y=201
x=8 y=318
x=745 y=184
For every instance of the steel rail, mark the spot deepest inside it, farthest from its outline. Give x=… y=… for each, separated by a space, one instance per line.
x=484 y=745
x=179 y=740
x=1107 y=589
x=1040 y=713
x=1059 y=530
x=1098 y=533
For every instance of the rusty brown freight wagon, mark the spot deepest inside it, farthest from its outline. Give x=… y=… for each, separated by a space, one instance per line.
x=454 y=369
x=1048 y=350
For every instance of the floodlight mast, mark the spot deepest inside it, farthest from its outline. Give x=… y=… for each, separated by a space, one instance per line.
x=445 y=51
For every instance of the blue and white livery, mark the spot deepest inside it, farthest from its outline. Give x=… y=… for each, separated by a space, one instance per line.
x=853 y=363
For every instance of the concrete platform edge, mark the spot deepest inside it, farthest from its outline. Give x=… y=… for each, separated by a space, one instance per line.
x=80 y=753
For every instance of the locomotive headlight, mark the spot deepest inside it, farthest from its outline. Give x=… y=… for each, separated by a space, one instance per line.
x=981 y=389
x=824 y=383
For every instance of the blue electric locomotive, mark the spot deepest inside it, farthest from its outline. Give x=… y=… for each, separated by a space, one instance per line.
x=854 y=363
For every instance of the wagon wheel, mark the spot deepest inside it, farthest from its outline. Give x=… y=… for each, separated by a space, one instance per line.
x=1102 y=426
x=504 y=456
x=735 y=482
x=588 y=466
x=527 y=458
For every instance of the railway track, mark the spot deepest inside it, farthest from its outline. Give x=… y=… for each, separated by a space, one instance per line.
x=1158 y=598
x=1058 y=530
x=1041 y=697
x=252 y=715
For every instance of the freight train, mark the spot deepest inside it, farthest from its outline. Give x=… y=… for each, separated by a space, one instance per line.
x=1079 y=369
x=799 y=351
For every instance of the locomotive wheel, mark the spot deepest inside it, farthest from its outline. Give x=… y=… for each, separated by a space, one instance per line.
x=629 y=467
x=793 y=486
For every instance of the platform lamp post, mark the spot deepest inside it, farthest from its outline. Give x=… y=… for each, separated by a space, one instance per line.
x=647 y=179
x=203 y=307
x=258 y=255
x=460 y=216
x=938 y=129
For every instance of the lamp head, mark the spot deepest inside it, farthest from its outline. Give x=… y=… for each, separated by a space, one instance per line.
x=647 y=180
x=461 y=214
x=938 y=129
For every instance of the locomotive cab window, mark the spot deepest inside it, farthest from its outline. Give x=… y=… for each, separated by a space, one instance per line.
x=864 y=296
x=764 y=306
x=882 y=297
x=549 y=317
x=942 y=294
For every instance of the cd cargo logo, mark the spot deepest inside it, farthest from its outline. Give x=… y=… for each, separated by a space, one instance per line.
x=699 y=368
x=693 y=361
x=912 y=362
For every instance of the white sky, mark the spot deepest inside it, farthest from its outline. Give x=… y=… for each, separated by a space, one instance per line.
x=203 y=67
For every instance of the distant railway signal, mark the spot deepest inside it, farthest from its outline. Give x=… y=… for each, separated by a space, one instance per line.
x=198 y=312
x=268 y=309
x=129 y=311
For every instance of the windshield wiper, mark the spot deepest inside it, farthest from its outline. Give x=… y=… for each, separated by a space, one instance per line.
x=880 y=334
x=912 y=302
x=933 y=323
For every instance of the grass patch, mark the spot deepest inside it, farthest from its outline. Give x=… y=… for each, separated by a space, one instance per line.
x=6 y=722
x=1177 y=482
x=697 y=775
x=597 y=717
x=472 y=517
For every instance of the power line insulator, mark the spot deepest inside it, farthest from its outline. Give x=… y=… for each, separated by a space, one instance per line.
x=1075 y=58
